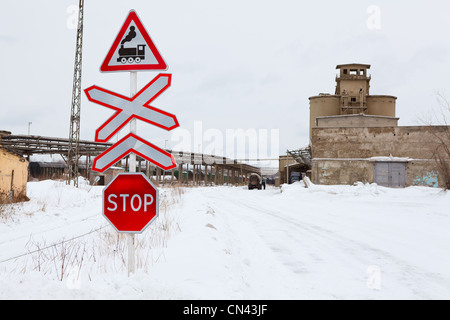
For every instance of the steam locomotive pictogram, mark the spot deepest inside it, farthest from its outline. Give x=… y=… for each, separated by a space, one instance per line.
x=131 y=55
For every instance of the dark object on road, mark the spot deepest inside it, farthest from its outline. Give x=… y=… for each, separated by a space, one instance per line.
x=254 y=182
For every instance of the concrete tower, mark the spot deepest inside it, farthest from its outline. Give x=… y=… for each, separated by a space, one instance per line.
x=352 y=105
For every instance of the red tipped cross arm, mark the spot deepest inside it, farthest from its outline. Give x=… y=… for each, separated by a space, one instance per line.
x=126 y=109
x=135 y=107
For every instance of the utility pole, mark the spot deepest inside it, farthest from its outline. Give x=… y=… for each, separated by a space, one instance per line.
x=74 y=134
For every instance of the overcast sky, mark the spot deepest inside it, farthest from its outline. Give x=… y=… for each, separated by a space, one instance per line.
x=236 y=64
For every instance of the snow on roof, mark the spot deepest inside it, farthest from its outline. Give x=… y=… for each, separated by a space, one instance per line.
x=390 y=159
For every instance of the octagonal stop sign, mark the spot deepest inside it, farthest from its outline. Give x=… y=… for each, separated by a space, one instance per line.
x=130 y=202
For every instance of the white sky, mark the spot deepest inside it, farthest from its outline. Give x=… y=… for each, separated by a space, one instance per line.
x=236 y=64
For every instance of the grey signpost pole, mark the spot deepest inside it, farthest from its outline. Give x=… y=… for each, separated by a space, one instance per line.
x=119 y=59
x=133 y=129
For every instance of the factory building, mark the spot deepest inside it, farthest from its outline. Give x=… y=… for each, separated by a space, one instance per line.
x=13 y=175
x=355 y=136
x=352 y=105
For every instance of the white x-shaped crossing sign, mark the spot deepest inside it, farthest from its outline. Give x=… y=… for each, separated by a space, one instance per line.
x=133 y=143
x=128 y=108
x=136 y=107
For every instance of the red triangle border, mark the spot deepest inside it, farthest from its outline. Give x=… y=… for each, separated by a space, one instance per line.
x=132 y=16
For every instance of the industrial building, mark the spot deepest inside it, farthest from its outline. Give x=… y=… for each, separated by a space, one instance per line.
x=13 y=175
x=193 y=168
x=293 y=166
x=355 y=136
x=352 y=105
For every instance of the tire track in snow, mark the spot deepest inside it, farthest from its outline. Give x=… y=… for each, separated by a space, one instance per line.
x=410 y=276
x=357 y=255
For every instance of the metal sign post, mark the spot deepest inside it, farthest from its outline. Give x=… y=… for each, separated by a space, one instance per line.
x=132 y=51
x=133 y=130
x=130 y=204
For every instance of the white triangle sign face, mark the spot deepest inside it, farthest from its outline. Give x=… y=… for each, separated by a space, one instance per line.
x=133 y=49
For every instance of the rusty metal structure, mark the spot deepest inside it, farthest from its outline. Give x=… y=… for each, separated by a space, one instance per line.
x=201 y=169
x=302 y=156
x=73 y=154
x=29 y=145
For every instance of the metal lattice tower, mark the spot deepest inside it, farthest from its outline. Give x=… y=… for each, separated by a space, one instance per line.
x=74 y=134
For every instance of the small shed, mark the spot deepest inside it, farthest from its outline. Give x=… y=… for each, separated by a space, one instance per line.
x=13 y=177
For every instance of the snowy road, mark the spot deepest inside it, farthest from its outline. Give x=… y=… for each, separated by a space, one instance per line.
x=328 y=250
x=330 y=242
x=326 y=242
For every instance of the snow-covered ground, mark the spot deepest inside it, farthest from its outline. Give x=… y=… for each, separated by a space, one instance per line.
x=324 y=242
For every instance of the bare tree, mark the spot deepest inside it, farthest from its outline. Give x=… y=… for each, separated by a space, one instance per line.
x=440 y=147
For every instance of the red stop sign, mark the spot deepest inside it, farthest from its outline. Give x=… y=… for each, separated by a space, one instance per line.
x=130 y=202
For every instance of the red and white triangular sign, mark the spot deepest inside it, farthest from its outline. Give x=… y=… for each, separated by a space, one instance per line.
x=133 y=49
